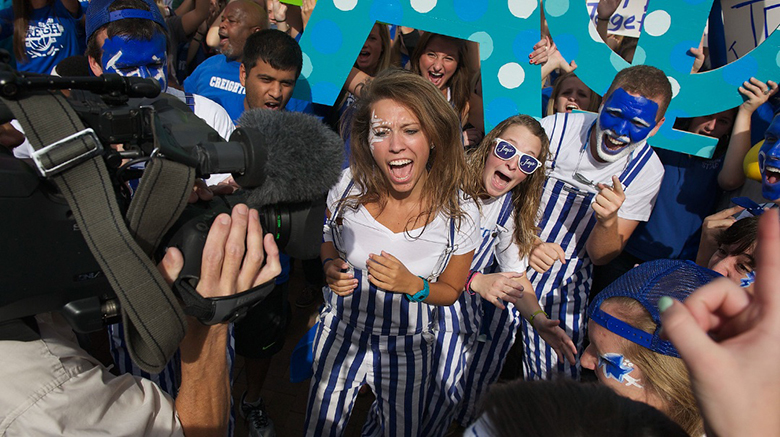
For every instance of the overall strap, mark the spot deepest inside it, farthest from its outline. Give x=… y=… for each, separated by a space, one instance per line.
x=506 y=210
x=190 y=100
x=636 y=164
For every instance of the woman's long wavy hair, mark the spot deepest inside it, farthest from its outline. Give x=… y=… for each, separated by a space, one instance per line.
x=665 y=375
x=446 y=163
x=527 y=195
x=461 y=81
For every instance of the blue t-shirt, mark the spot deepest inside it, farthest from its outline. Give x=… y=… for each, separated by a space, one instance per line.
x=52 y=35
x=219 y=80
x=688 y=194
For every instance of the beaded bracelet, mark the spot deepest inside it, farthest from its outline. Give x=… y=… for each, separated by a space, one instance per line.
x=531 y=320
x=468 y=282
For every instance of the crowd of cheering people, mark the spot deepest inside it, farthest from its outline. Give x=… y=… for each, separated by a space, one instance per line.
x=445 y=244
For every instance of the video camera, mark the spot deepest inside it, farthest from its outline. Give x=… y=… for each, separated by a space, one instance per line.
x=47 y=264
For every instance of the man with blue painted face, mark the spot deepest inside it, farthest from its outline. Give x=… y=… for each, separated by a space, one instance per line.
x=123 y=38
x=769 y=161
x=129 y=37
x=603 y=180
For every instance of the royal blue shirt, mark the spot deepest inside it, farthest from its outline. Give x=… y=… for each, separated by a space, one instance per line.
x=688 y=194
x=219 y=80
x=52 y=35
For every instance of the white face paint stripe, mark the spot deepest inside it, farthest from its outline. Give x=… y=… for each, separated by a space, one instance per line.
x=111 y=64
x=376 y=122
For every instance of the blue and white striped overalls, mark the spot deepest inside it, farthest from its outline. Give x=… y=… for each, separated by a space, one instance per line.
x=567 y=219
x=457 y=331
x=377 y=338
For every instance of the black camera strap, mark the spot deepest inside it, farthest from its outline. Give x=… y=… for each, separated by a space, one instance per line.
x=70 y=156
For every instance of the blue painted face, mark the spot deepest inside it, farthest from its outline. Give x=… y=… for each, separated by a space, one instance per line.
x=625 y=121
x=133 y=57
x=769 y=161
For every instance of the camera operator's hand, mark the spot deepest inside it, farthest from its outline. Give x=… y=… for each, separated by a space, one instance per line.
x=203 y=401
x=225 y=269
x=200 y=191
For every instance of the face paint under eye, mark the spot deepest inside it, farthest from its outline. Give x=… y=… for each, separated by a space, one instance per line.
x=373 y=138
x=769 y=161
x=140 y=58
x=624 y=123
x=615 y=366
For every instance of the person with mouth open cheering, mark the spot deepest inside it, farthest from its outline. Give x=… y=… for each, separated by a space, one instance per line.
x=603 y=180
x=399 y=239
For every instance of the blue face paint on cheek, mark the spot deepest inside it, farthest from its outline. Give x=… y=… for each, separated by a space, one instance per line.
x=616 y=367
x=139 y=58
x=748 y=280
x=769 y=161
x=628 y=116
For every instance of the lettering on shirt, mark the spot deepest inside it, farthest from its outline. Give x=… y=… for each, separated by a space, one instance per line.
x=227 y=85
x=42 y=38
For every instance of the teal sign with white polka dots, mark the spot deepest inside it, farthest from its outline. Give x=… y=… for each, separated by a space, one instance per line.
x=670 y=29
x=507 y=31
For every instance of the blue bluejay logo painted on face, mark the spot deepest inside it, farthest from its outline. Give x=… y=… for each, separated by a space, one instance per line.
x=769 y=161
x=139 y=58
x=625 y=122
x=615 y=366
x=748 y=280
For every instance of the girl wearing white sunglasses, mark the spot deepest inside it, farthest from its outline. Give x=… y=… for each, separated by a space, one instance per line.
x=475 y=334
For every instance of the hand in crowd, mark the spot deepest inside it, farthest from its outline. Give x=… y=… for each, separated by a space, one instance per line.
x=729 y=340
x=557 y=61
x=756 y=93
x=544 y=255
x=340 y=281
x=606 y=8
x=10 y=137
x=307 y=7
x=388 y=273
x=713 y=225
x=698 y=54
x=200 y=191
x=472 y=137
x=556 y=338
x=233 y=256
x=498 y=287
x=608 y=201
x=540 y=53
x=277 y=11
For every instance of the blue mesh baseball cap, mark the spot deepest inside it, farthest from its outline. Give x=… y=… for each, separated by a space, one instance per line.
x=97 y=15
x=647 y=283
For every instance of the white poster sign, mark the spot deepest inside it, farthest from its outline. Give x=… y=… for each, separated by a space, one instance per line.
x=747 y=23
x=627 y=19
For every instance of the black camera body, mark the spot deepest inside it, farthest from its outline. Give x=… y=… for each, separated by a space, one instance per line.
x=47 y=265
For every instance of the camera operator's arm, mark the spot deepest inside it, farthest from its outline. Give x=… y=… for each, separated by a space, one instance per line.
x=204 y=397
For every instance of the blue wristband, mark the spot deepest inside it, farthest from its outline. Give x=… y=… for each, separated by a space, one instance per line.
x=422 y=294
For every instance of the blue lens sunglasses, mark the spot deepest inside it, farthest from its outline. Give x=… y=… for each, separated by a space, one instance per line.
x=505 y=150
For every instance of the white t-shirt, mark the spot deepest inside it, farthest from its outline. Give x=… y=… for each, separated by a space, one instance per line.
x=507 y=253
x=418 y=250
x=571 y=157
